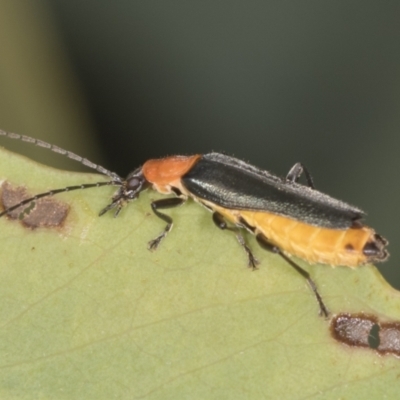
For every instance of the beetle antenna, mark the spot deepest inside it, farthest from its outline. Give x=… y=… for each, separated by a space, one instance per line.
x=61 y=190
x=59 y=150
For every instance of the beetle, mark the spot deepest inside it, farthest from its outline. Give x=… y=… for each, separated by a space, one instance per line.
x=286 y=217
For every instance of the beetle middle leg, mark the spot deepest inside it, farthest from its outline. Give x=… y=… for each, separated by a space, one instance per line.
x=220 y=222
x=161 y=204
x=265 y=244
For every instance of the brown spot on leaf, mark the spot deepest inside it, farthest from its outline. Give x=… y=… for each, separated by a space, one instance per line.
x=365 y=330
x=352 y=330
x=389 y=335
x=46 y=212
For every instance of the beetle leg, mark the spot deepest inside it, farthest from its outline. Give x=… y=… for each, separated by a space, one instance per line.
x=220 y=222
x=265 y=244
x=295 y=173
x=160 y=204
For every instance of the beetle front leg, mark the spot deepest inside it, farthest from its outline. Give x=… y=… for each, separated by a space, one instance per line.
x=161 y=204
x=220 y=222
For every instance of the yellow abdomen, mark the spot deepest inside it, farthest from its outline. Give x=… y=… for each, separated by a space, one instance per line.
x=311 y=243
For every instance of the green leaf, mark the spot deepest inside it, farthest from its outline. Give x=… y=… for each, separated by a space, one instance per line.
x=87 y=312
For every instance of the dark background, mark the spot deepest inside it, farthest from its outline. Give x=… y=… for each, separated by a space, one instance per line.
x=272 y=83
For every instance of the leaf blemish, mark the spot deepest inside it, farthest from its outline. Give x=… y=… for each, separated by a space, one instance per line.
x=42 y=213
x=365 y=330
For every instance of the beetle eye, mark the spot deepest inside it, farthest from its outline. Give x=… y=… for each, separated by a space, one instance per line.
x=134 y=183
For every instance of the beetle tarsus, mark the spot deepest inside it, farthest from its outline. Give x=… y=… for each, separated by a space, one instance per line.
x=153 y=244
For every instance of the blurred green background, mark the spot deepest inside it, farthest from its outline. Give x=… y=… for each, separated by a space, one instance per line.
x=269 y=82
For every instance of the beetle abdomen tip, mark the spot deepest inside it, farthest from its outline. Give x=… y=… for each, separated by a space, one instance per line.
x=375 y=249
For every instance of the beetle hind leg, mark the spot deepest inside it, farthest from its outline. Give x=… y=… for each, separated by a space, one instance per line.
x=295 y=173
x=220 y=222
x=265 y=244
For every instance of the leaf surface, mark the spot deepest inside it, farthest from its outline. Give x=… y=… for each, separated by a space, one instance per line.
x=88 y=312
